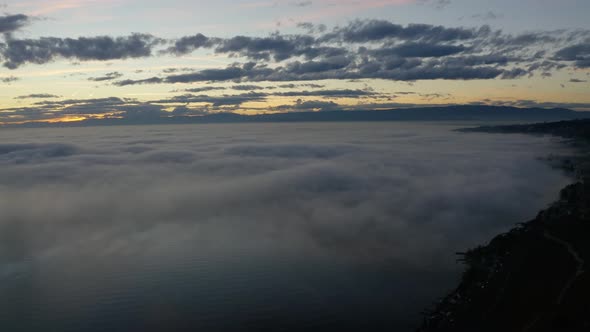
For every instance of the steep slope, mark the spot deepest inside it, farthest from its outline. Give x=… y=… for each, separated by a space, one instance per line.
x=533 y=278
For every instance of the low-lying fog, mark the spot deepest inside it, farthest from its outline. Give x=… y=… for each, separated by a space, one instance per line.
x=251 y=226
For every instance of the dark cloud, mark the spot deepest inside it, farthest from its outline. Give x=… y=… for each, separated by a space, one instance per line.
x=309 y=106
x=17 y=52
x=344 y=93
x=107 y=77
x=216 y=101
x=277 y=47
x=82 y=106
x=101 y=101
x=204 y=89
x=421 y=50
x=37 y=96
x=545 y=66
x=383 y=50
x=438 y=4
x=362 y=49
x=11 y=23
x=189 y=44
x=175 y=70
x=248 y=87
x=579 y=53
x=186 y=111
x=362 y=31
x=390 y=68
x=329 y=64
x=514 y=73
x=151 y=80
x=304 y=85
x=230 y=73
x=55 y=109
x=312 y=28
x=236 y=100
x=9 y=79
x=235 y=72
x=489 y=15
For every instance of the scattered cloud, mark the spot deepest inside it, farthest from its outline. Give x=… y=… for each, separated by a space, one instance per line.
x=37 y=96
x=438 y=4
x=17 y=52
x=343 y=93
x=371 y=49
x=309 y=106
x=204 y=89
x=248 y=87
x=217 y=101
x=9 y=79
x=487 y=16
x=12 y=23
x=579 y=54
x=361 y=49
x=107 y=77
x=151 y=80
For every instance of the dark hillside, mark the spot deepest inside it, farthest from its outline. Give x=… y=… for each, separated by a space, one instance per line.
x=534 y=277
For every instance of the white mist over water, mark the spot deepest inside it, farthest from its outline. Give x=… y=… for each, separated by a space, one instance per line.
x=251 y=226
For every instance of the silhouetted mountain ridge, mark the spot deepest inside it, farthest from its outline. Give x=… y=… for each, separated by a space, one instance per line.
x=442 y=113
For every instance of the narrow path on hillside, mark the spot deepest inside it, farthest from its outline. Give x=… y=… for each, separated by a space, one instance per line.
x=579 y=262
x=579 y=271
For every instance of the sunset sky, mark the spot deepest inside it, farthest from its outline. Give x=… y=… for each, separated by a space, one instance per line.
x=69 y=60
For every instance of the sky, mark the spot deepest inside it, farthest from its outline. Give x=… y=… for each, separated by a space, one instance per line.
x=69 y=60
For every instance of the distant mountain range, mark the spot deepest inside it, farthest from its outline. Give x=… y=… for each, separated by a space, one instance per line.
x=446 y=113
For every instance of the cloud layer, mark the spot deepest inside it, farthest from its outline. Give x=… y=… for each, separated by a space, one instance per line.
x=343 y=177
x=379 y=199
x=11 y=23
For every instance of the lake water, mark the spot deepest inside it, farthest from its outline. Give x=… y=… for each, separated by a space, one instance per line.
x=252 y=227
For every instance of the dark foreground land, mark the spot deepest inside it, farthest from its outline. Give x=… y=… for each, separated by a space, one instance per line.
x=537 y=276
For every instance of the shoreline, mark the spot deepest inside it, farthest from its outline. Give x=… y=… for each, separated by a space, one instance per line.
x=532 y=277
